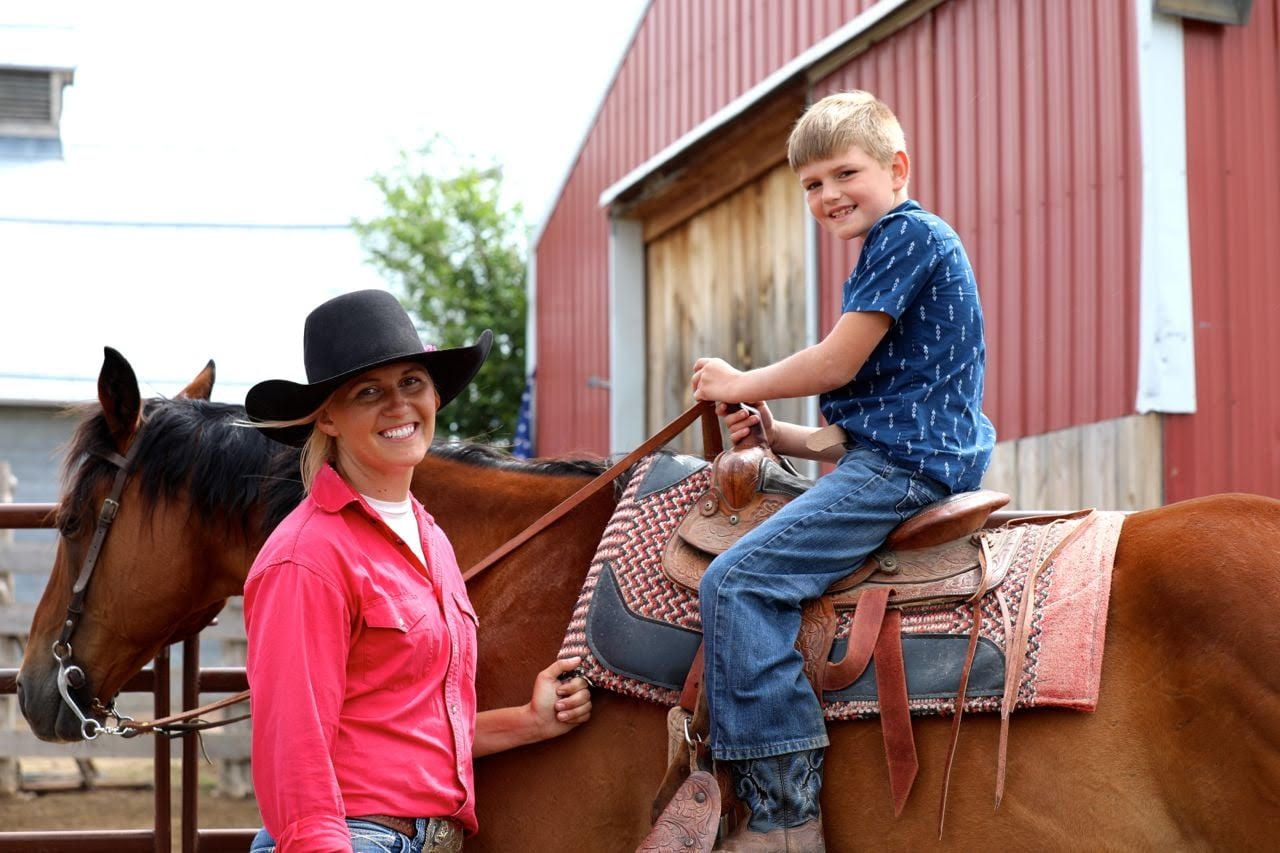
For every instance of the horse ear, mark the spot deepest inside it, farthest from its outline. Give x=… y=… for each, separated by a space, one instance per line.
x=202 y=386
x=119 y=396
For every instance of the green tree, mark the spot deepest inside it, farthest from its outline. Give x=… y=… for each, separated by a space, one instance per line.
x=456 y=254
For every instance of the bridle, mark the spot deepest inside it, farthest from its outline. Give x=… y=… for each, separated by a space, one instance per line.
x=70 y=675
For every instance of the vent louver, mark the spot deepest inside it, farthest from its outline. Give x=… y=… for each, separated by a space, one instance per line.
x=26 y=96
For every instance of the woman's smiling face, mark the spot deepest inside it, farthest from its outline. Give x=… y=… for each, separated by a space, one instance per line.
x=383 y=421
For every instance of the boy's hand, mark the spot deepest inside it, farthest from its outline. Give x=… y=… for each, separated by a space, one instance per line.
x=559 y=706
x=739 y=422
x=715 y=379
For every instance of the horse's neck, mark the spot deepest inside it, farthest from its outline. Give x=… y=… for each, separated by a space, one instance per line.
x=481 y=507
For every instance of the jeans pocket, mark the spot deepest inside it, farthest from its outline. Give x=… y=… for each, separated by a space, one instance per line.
x=921 y=491
x=369 y=837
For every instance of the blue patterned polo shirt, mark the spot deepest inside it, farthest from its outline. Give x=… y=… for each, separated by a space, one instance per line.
x=918 y=398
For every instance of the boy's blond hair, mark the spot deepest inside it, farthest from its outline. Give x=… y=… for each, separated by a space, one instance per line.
x=832 y=125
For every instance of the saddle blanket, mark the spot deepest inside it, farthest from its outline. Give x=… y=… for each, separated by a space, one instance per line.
x=637 y=631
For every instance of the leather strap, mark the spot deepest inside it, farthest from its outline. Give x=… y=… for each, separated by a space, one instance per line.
x=693 y=682
x=895 y=712
x=711 y=427
x=955 y=722
x=403 y=825
x=106 y=515
x=1016 y=646
x=176 y=724
x=868 y=620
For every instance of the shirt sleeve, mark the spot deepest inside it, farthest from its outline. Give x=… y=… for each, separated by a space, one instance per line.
x=898 y=259
x=299 y=629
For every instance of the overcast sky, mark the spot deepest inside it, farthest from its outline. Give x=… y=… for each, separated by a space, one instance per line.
x=267 y=114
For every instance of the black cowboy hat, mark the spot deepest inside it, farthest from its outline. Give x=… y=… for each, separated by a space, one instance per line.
x=343 y=338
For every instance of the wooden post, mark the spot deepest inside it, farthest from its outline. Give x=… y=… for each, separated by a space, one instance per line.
x=10 y=647
x=235 y=775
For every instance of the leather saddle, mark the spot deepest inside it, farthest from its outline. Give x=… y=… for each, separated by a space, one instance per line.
x=930 y=558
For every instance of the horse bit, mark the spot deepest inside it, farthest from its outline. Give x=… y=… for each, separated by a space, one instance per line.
x=71 y=675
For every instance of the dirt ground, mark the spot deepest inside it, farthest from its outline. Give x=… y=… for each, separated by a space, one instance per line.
x=123 y=800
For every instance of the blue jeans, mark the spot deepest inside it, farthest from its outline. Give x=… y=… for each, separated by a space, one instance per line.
x=366 y=837
x=760 y=701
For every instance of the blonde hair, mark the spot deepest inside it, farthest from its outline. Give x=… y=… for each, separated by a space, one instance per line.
x=319 y=449
x=832 y=125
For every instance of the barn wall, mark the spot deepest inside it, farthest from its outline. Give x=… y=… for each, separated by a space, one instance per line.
x=1232 y=442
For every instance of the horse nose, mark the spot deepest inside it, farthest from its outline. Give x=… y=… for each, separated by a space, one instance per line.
x=20 y=691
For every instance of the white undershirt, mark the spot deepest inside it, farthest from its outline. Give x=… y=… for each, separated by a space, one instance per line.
x=399 y=516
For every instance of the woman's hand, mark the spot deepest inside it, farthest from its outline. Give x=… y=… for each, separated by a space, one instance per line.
x=559 y=706
x=740 y=422
x=555 y=708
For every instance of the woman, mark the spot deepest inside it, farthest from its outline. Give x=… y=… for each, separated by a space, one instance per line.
x=362 y=642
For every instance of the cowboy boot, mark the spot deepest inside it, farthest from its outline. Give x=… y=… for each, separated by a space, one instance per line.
x=781 y=792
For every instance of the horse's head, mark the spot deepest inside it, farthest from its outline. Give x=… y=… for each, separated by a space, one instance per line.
x=123 y=587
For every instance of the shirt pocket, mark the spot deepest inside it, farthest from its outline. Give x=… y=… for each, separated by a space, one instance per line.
x=398 y=640
x=467 y=630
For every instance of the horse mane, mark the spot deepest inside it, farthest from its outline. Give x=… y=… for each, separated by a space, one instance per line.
x=227 y=469
x=487 y=456
x=187 y=446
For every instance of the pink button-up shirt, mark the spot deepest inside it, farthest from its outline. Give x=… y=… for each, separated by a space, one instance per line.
x=362 y=665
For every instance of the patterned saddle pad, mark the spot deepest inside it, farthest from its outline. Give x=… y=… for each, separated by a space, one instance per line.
x=638 y=632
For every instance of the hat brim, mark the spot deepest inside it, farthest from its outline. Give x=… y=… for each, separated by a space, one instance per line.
x=281 y=400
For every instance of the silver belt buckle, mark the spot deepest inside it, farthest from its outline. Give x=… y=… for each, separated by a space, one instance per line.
x=443 y=836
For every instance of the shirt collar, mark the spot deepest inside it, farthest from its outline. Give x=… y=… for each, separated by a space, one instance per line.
x=332 y=494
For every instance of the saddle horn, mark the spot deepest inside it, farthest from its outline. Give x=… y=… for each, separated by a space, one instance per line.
x=757 y=438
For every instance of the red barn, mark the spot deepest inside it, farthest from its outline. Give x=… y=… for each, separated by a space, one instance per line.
x=1110 y=168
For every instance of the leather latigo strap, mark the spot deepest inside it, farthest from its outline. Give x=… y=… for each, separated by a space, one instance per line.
x=895 y=712
x=868 y=619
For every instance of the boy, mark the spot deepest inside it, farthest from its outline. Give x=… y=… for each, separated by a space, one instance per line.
x=902 y=374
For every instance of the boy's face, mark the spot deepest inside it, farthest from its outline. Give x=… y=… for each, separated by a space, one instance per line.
x=847 y=193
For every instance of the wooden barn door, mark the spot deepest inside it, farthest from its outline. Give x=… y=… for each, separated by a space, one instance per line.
x=728 y=282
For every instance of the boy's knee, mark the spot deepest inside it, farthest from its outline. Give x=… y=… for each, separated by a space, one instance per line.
x=711 y=578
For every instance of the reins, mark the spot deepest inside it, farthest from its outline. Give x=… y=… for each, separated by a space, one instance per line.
x=178 y=724
x=711 y=442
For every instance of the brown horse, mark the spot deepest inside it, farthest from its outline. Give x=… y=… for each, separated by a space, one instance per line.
x=1184 y=750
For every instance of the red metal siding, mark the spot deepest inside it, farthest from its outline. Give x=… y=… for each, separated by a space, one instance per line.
x=688 y=60
x=1232 y=442
x=1022 y=123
